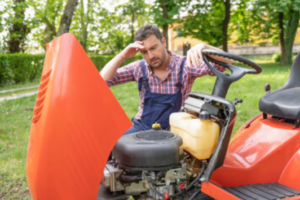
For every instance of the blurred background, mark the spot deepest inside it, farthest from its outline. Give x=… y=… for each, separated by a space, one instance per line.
x=245 y=27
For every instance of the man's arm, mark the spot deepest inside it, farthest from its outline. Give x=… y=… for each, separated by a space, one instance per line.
x=195 y=55
x=109 y=70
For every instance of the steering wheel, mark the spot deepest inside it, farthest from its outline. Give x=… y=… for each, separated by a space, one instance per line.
x=224 y=80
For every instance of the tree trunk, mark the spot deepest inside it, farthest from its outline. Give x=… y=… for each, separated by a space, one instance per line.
x=225 y=24
x=165 y=34
x=18 y=30
x=49 y=34
x=84 y=24
x=281 y=38
x=290 y=33
x=67 y=16
x=165 y=26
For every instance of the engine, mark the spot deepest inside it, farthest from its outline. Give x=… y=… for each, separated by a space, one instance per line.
x=149 y=163
x=159 y=164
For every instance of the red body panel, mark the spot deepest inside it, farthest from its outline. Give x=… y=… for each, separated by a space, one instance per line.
x=291 y=174
x=293 y=198
x=262 y=151
x=75 y=124
x=259 y=153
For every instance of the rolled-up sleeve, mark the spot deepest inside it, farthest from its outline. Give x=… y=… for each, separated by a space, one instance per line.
x=124 y=74
x=198 y=71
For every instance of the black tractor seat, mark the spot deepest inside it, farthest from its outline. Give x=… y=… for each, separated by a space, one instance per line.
x=282 y=103
x=285 y=102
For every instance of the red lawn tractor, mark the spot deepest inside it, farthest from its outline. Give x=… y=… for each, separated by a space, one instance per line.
x=77 y=122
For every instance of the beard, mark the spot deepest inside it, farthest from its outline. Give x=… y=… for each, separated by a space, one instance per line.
x=157 y=62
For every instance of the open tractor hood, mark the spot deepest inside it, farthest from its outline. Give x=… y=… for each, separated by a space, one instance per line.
x=76 y=122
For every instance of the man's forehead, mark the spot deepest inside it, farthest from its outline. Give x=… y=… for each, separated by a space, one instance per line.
x=151 y=41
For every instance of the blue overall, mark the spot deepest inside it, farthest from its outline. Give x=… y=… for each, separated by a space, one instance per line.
x=157 y=107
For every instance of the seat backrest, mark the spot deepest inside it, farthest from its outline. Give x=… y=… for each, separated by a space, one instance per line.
x=294 y=80
x=284 y=102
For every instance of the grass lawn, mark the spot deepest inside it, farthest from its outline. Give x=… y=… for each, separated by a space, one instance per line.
x=20 y=85
x=20 y=88
x=14 y=131
x=16 y=117
x=18 y=92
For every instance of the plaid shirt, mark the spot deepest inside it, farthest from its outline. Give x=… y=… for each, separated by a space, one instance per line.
x=133 y=72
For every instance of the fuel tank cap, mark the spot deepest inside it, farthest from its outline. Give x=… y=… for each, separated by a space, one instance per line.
x=204 y=115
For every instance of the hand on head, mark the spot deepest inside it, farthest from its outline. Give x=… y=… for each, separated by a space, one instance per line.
x=131 y=50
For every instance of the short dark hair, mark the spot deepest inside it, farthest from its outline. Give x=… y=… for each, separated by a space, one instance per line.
x=145 y=31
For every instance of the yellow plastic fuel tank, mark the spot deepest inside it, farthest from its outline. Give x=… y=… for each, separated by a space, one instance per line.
x=200 y=136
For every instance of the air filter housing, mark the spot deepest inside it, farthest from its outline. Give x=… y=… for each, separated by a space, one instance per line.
x=148 y=150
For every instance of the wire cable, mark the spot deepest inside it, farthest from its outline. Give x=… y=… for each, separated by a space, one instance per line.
x=195 y=194
x=198 y=177
x=155 y=191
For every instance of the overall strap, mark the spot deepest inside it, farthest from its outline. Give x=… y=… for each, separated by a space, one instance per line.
x=143 y=68
x=145 y=79
x=179 y=84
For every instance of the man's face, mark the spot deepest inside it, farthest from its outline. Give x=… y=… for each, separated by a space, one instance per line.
x=155 y=51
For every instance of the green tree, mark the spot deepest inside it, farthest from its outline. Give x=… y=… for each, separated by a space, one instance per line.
x=46 y=13
x=208 y=21
x=242 y=18
x=280 y=17
x=51 y=19
x=66 y=18
x=2 y=44
x=136 y=10
x=225 y=24
x=109 y=35
x=19 y=28
x=84 y=21
x=165 y=13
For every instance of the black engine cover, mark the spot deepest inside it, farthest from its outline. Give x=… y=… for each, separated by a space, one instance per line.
x=148 y=150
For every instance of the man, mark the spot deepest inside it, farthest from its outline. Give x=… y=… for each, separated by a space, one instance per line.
x=163 y=78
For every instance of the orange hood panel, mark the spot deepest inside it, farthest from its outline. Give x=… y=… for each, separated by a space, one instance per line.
x=76 y=122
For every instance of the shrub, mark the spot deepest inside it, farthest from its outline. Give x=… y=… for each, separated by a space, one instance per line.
x=101 y=60
x=20 y=67
x=262 y=44
x=276 y=57
x=5 y=71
